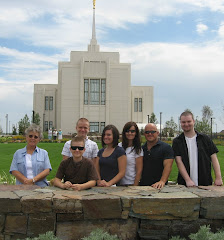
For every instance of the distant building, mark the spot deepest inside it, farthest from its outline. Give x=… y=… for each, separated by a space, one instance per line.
x=94 y=85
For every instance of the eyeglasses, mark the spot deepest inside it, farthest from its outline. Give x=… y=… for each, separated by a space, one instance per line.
x=33 y=136
x=132 y=131
x=75 y=147
x=152 y=132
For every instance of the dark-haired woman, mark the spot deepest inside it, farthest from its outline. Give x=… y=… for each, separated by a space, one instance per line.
x=132 y=145
x=111 y=160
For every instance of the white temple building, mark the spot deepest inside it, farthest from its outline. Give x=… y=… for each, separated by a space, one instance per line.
x=94 y=85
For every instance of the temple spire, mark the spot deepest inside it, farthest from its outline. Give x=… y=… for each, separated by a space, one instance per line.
x=94 y=27
x=93 y=47
x=94 y=4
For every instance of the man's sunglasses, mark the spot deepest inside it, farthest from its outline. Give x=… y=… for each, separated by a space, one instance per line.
x=132 y=131
x=33 y=136
x=152 y=132
x=75 y=147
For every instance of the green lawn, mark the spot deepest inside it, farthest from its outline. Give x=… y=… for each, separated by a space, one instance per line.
x=54 y=151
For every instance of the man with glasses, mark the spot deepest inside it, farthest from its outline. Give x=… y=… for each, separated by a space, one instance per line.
x=157 y=160
x=82 y=128
x=194 y=153
x=78 y=172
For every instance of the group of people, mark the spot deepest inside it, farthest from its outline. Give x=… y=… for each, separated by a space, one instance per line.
x=124 y=163
x=55 y=134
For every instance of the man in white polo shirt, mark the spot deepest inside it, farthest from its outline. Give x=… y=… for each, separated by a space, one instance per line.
x=82 y=128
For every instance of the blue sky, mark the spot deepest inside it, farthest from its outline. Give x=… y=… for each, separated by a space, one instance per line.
x=177 y=46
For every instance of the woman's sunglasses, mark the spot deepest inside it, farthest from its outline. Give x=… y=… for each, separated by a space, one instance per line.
x=33 y=136
x=131 y=131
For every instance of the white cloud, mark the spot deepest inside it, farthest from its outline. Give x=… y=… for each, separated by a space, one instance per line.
x=197 y=5
x=28 y=56
x=13 y=90
x=201 y=28
x=169 y=67
x=215 y=5
x=75 y=18
x=19 y=15
x=198 y=60
x=221 y=30
x=28 y=68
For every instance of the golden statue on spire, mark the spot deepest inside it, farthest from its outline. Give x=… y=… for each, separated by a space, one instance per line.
x=94 y=4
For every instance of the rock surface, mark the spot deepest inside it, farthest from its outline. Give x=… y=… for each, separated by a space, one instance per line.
x=130 y=212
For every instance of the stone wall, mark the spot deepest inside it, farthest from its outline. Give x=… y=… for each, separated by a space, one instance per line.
x=130 y=212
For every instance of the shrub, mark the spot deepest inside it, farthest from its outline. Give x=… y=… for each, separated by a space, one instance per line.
x=177 y=238
x=99 y=234
x=45 y=135
x=2 y=139
x=204 y=233
x=5 y=139
x=7 y=178
x=19 y=137
x=11 y=139
x=46 y=236
x=218 y=142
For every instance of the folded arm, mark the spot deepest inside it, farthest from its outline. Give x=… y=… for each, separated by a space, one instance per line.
x=84 y=186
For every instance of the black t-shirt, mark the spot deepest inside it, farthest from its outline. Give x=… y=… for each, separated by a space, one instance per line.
x=109 y=165
x=206 y=148
x=153 y=162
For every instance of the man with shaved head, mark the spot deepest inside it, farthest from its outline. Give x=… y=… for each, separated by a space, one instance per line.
x=157 y=160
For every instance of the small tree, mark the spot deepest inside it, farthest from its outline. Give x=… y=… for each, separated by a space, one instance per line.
x=153 y=119
x=170 y=128
x=14 y=132
x=207 y=113
x=23 y=124
x=36 y=118
x=202 y=126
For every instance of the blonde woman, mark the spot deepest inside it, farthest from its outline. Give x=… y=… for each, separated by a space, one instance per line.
x=31 y=165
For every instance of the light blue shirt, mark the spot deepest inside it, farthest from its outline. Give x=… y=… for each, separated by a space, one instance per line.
x=40 y=162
